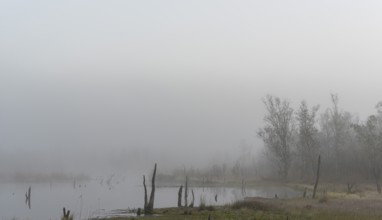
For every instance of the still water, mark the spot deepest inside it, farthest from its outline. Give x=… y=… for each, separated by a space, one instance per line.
x=100 y=197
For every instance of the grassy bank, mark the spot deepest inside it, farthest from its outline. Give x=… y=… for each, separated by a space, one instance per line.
x=257 y=208
x=332 y=202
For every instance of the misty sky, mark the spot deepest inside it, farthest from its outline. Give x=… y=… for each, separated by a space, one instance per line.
x=106 y=82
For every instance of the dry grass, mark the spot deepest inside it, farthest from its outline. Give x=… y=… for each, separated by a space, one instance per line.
x=334 y=204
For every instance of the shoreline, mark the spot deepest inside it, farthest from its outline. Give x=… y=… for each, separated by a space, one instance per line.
x=330 y=204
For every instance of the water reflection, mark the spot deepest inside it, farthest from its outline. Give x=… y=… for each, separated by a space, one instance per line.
x=28 y=197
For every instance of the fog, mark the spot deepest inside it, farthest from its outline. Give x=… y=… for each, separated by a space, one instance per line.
x=102 y=87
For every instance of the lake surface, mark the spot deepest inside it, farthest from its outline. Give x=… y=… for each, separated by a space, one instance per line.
x=100 y=197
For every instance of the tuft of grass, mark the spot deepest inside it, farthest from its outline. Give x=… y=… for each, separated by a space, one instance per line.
x=203 y=206
x=324 y=198
x=70 y=218
x=202 y=203
x=208 y=208
x=253 y=205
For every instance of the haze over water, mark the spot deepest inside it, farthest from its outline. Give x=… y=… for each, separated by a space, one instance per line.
x=97 y=87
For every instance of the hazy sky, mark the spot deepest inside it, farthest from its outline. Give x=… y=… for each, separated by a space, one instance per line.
x=95 y=81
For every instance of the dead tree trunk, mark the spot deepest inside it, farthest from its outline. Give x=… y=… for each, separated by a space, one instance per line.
x=350 y=187
x=149 y=207
x=317 y=177
x=180 y=196
x=66 y=214
x=193 y=199
x=144 y=186
x=186 y=193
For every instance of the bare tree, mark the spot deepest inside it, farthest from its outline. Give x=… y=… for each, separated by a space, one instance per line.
x=338 y=128
x=307 y=146
x=370 y=135
x=337 y=141
x=277 y=132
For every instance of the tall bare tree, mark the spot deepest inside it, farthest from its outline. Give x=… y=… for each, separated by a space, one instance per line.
x=307 y=145
x=370 y=135
x=338 y=127
x=277 y=132
x=337 y=139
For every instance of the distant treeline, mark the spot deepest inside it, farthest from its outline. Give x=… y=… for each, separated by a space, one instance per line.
x=351 y=150
x=25 y=177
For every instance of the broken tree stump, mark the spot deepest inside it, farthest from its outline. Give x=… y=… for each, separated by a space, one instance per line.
x=65 y=214
x=149 y=206
x=180 y=196
x=193 y=199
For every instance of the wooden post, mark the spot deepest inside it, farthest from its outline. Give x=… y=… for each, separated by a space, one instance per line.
x=317 y=177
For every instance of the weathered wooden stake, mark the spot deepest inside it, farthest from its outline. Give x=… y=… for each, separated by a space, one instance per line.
x=317 y=177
